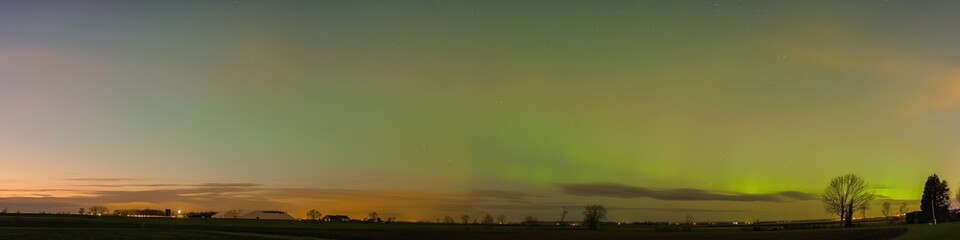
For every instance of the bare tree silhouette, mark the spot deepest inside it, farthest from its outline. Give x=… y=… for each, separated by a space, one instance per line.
x=487 y=219
x=530 y=220
x=958 y=196
x=448 y=220
x=844 y=195
x=863 y=211
x=592 y=215
x=373 y=217
x=98 y=210
x=886 y=212
x=903 y=210
x=563 y=216
x=465 y=218
x=502 y=219
x=313 y=214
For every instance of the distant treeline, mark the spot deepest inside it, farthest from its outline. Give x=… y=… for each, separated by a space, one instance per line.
x=200 y=214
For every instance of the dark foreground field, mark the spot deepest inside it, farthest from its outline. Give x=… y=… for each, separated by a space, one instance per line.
x=75 y=227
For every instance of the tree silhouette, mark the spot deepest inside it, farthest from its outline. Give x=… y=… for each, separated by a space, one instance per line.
x=465 y=218
x=844 y=195
x=373 y=217
x=530 y=220
x=208 y=214
x=592 y=215
x=487 y=219
x=502 y=219
x=863 y=211
x=903 y=210
x=935 y=200
x=98 y=210
x=313 y=214
x=563 y=216
x=886 y=211
x=448 y=220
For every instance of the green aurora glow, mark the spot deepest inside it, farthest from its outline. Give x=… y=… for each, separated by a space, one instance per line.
x=434 y=98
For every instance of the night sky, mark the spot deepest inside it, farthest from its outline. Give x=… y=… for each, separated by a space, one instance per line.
x=726 y=110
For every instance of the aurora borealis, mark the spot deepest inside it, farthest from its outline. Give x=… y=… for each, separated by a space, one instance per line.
x=726 y=110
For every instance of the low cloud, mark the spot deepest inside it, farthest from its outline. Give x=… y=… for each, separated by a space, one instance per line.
x=101 y=179
x=130 y=185
x=500 y=195
x=675 y=210
x=679 y=194
x=167 y=185
x=797 y=195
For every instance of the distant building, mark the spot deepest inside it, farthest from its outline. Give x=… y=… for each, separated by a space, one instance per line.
x=263 y=215
x=140 y=213
x=335 y=218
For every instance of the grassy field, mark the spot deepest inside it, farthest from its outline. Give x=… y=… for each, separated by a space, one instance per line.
x=24 y=226
x=946 y=231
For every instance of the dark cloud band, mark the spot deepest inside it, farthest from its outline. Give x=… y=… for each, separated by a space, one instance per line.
x=681 y=194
